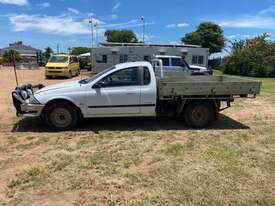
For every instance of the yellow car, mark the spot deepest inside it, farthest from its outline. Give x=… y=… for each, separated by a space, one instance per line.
x=62 y=65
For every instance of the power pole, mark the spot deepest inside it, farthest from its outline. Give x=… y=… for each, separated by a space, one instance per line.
x=143 y=33
x=57 y=48
x=92 y=48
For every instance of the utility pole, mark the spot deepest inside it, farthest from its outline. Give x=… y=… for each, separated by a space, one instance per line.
x=92 y=48
x=143 y=33
x=57 y=48
x=96 y=33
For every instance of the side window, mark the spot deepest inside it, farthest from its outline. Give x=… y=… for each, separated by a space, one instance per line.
x=146 y=76
x=165 y=62
x=124 y=77
x=176 y=62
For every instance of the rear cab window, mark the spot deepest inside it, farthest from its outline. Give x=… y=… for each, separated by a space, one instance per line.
x=146 y=76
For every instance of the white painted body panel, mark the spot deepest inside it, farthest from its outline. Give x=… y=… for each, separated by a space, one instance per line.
x=106 y=102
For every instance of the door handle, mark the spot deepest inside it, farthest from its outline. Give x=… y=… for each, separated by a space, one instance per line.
x=130 y=93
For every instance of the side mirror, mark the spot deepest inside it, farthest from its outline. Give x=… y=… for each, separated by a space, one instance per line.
x=98 y=85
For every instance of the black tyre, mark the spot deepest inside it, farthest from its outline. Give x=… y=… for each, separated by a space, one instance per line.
x=199 y=114
x=48 y=77
x=77 y=73
x=61 y=116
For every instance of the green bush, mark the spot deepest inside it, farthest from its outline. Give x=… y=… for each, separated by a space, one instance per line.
x=251 y=57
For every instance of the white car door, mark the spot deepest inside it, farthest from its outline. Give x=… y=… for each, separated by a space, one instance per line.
x=119 y=94
x=148 y=93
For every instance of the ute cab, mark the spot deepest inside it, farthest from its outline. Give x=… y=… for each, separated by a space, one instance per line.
x=62 y=65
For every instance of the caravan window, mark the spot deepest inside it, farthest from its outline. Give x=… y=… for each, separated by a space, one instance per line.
x=101 y=58
x=123 y=58
x=197 y=60
x=147 y=58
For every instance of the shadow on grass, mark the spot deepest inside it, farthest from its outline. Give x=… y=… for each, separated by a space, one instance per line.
x=128 y=124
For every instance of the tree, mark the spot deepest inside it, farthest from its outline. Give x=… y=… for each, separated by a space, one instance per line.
x=80 y=50
x=48 y=52
x=10 y=56
x=121 y=36
x=251 y=57
x=208 y=35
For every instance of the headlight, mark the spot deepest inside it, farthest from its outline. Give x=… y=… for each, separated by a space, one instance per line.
x=32 y=100
x=24 y=94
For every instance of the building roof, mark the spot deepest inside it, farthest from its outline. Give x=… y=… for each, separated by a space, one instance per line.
x=113 y=44
x=21 y=48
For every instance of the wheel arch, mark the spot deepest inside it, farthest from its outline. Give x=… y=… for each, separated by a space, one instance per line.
x=62 y=100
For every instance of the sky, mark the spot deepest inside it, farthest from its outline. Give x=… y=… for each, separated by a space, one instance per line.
x=66 y=22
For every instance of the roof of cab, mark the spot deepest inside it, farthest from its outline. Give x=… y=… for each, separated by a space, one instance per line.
x=133 y=64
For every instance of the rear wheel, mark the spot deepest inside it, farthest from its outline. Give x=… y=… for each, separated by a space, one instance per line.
x=199 y=114
x=61 y=116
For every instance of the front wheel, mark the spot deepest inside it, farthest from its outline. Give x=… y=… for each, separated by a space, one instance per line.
x=78 y=73
x=199 y=114
x=70 y=75
x=61 y=116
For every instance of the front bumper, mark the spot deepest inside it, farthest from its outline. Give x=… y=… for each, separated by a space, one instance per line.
x=20 y=98
x=57 y=72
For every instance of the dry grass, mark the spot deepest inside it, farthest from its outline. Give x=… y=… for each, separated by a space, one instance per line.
x=143 y=161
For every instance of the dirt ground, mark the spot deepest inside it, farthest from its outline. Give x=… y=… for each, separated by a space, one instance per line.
x=137 y=161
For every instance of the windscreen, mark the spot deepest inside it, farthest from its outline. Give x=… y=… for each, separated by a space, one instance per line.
x=85 y=81
x=58 y=59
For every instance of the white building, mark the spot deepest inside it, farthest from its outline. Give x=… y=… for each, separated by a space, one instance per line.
x=109 y=54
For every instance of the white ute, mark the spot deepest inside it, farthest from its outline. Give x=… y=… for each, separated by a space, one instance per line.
x=176 y=65
x=131 y=90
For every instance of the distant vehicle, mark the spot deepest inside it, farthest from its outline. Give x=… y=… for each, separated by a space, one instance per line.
x=132 y=89
x=62 y=65
x=200 y=69
x=176 y=65
x=85 y=61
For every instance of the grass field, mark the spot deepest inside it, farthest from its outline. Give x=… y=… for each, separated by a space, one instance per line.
x=144 y=161
x=268 y=83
